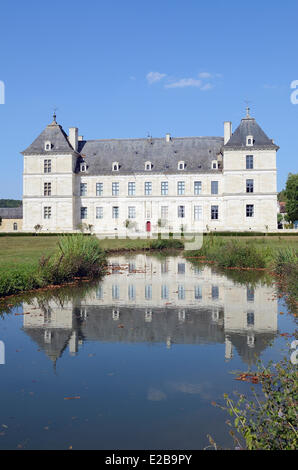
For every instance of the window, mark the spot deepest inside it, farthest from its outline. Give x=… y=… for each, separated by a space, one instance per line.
x=131 y=268
x=181 y=268
x=47 y=212
x=15 y=226
x=164 y=188
x=214 y=292
x=197 y=187
x=180 y=188
x=164 y=292
x=148 y=292
x=83 y=212
x=214 y=212
x=115 y=189
x=214 y=187
x=164 y=213
x=115 y=166
x=214 y=165
x=181 y=165
x=47 y=146
x=115 y=292
x=198 y=212
x=99 y=212
x=249 y=140
x=148 y=188
x=181 y=292
x=83 y=189
x=47 y=189
x=249 y=186
x=131 y=188
x=131 y=212
x=249 y=162
x=83 y=167
x=99 y=292
x=250 y=294
x=115 y=212
x=164 y=267
x=198 y=292
x=250 y=318
x=148 y=166
x=181 y=211
x=47 y=166
x=131 y=292
x=249 y=210
x=99 y=189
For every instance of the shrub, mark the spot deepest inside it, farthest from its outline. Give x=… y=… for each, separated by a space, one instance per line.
x=19 y=279
x=166 y=244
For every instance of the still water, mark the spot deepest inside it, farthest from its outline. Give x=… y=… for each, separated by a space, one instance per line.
x=135 y=360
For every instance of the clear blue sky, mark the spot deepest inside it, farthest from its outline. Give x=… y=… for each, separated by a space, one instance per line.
x=123 y=68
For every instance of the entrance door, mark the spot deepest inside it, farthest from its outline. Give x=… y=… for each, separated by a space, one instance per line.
x=148 y=226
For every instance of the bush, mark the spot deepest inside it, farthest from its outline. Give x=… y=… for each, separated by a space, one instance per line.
x=166 y=244
x=77 y=256
x=19 y=279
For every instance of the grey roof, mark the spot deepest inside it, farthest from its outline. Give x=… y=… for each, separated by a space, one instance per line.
x=54 y=134
x=132 y=154
x=11 y=212
x=249 y=126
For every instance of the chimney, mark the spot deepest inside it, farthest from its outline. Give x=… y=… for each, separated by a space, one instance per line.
x=73 y=137
x=227 y=131
x=80 y=138
x=168 y=137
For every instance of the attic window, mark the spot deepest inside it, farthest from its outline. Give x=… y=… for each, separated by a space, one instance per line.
x=115 y=166
x=47 y=146
x=148 y=166
x=83 y=167
x=181 y=165
x=214 y=165
x=249 y=141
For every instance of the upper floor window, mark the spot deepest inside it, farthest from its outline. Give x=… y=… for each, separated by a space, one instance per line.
x=214 y=187
x=181 y=165
x=249 y=140
x=115 y=189
x=83 y=189
x=148 y=166
x=197 y=187
x=249 y=186
x=148 y=188
x=47 y=145
x=180 y=188
x=99 y=189
x=47 y=189
x=249 y=162
x=131 y=188
x=83 y=167
x=164 y=188
x=47 y=166
x=214 y=165
x=115 y=166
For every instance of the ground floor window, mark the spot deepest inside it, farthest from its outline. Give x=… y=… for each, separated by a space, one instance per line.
x=198 y=212
x=99 y=212
x=249 y=210
x=115 y=212
x=15 y=226
x=214 y=212
x=47 y=212
x=131 y=212
x=83 y=212
x=181 y=211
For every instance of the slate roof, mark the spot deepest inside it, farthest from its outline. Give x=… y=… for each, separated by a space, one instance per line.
x=249 y=126
x=132 y=154
x=54 y=134
x=11 y=212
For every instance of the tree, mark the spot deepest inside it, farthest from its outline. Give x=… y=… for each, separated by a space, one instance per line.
x=291 y=193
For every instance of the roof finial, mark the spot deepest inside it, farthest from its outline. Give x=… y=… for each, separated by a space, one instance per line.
x=54 y=116
x=248 y=112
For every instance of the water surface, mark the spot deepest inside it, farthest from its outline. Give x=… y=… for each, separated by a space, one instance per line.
x=135 y=360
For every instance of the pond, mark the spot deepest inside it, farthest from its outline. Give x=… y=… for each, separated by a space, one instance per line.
x=134 y=361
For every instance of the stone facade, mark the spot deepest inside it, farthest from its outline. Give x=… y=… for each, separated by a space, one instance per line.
x=138 y=187
x=11 y=219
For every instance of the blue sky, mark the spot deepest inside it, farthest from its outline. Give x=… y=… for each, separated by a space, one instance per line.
x=120 y=69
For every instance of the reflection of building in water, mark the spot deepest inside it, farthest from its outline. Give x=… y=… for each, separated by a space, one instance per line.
x=145 y=299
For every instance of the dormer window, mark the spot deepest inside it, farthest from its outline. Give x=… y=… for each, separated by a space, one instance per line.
x=249 y=141
x=181 y=165
x=83 y=167
x=214 y=165
x=47 y=145
x=115 y=166
x=148 y=166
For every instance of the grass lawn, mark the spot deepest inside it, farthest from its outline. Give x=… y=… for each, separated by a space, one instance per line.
x=28 y=250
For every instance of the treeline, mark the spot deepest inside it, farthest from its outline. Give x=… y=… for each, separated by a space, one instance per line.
x=10 y=203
